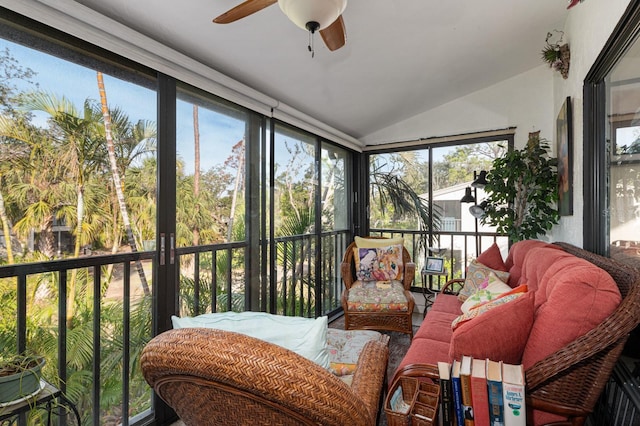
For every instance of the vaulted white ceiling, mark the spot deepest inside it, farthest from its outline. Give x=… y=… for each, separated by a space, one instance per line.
x=402 y=57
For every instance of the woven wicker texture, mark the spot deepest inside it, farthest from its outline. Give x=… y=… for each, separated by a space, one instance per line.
x=214 y=377
x=569 y=381
x=376 y=320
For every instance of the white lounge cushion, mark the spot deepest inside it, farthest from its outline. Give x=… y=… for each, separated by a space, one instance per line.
x=305 y=336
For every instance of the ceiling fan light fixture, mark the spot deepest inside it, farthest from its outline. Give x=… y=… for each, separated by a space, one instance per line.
x=301 y=12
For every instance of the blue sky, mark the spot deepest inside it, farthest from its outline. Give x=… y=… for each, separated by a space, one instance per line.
x=218 y=133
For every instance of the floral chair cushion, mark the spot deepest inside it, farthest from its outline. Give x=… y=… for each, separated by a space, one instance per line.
x=344 y=348
x=377 y=296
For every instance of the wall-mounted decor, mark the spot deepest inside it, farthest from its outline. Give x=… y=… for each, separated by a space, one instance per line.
x=556 y=53
x=564 y=140
x=573 y=3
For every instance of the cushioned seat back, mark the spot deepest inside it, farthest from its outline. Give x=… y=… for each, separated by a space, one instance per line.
x=515 y=258
x=573 y=297
x=538 y=262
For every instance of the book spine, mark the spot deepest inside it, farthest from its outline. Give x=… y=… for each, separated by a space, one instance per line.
x=467 y=402
x=456 y=390
x=496 y=408
x=480 y=400
x=514 y=404
x=446 y=402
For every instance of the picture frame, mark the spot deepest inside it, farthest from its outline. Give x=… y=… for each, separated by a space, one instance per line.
x=434 y=265
x=564 y=145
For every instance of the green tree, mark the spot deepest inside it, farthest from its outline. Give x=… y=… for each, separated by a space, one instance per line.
x=82 y=150
x=117 y=184
x=523 y=191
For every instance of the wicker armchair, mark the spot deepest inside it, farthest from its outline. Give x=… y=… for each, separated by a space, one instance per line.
x=215 y=377
x=569 y=382
x=377 y=319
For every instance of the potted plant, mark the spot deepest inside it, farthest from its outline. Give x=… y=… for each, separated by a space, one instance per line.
x=522 y=189
x=557 y=54
x=19 y=377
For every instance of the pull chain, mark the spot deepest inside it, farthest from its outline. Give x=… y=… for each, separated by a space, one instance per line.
x=310 y=47
x=312 y=26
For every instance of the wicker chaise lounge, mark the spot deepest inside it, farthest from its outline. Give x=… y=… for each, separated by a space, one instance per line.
x=215 y=377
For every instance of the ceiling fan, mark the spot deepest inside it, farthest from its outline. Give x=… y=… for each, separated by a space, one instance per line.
x=310 y=15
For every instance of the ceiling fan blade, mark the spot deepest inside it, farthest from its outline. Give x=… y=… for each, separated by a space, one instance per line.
x=245 y=8
x=334 y=35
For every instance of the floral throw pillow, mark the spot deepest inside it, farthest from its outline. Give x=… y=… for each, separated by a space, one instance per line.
x=477 y=273
x=487 y=306
x=389 y=264
x=490 y=289
x=365 y=260
x=379 y=263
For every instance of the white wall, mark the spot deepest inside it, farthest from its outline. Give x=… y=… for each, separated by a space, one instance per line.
x=587 y=29
x=523 y=101
x=529 y=101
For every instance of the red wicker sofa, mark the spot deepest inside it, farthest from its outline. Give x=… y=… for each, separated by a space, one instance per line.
x=568 y=329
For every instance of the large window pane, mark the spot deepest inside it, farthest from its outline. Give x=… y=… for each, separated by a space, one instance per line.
x=78 y=179
x=418 y=194
x=335 y=215
x=623 y=100
x=210 y=201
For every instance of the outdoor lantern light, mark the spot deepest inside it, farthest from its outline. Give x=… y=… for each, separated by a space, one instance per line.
x=480 y=181
x=468 y=197
x=477 y=210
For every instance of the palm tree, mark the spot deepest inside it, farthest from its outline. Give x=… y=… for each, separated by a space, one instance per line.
x=32 y=180
x=196 y=171
x=394 y=194
x=81 y=151
x=106 y=117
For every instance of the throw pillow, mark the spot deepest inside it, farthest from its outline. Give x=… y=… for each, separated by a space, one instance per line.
x=365 y=260
x=389 y=264
x=305 y=336
x=492 y=258
x=499 y=334
x=362 y=242
x=488 y=291
x=378 y=259
x=487 y=306
x=477 y=273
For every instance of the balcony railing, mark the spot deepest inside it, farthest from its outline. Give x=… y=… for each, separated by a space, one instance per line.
x=91 y=317
x=457 y=249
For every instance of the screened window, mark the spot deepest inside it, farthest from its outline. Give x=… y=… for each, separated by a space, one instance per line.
x=623 y=131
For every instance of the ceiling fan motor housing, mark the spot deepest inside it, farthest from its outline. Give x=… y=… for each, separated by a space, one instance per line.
x=303 y=12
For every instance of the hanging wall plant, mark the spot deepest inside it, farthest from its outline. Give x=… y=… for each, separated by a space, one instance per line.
x=557 y=54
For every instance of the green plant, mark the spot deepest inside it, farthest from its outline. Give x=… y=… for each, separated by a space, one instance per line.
x=19 y=376
x=17 y=364
x=522 y=191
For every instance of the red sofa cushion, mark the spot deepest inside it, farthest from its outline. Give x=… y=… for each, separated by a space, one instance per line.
x=573 y=297
x=492 y=258
x=506 y=327
x=438 y=327
x=515 y=259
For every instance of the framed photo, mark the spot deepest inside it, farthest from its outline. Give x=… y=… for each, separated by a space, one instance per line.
x=564 y=140
x=435 y=265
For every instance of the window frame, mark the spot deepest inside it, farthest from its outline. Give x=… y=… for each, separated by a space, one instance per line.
x=596 y=147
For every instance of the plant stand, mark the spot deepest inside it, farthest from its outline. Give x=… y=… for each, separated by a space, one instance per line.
x=48 y=399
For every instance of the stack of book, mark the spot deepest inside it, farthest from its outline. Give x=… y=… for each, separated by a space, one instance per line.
x=481 y=392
